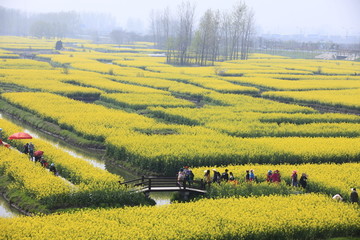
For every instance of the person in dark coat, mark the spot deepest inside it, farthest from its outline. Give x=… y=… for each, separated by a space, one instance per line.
x=26 y=148
x=225 y=175
x=269 y=176
x=31 y=150
x=247 y=176
x=216 y=176
x=231 y=176
x=53 y=169
x=303 y=180
x=354 y=196
x=294 y=179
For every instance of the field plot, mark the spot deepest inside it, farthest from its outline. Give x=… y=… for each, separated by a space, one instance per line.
x=220 y=116
x=301 y=216
x=81 y=185
x=141 y=100
x=338 y=98
x=322 y=178
x=156 y=118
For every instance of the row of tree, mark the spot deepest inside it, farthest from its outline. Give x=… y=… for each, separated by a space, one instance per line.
x=218 y=36
x=53 y=25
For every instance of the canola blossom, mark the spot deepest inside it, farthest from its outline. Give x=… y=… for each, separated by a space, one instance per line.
x=327 y=178
x=29 y=177
x=291 y=217
x=129 y=138
x=159 y=117
x=349 y=98
x=140 y=100
x=79 y=184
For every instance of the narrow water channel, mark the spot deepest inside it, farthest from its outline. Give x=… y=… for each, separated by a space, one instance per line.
x=6 y=210
x=94 y=158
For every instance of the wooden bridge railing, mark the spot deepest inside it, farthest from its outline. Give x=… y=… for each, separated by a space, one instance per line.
x=163 y=184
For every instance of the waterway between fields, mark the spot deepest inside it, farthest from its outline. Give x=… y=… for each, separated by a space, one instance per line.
x=96 y=159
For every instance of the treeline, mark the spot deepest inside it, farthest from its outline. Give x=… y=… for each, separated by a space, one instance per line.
x=219 y=35
x=54 y=25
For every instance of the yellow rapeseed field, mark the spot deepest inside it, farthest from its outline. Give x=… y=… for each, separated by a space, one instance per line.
x=306 y=216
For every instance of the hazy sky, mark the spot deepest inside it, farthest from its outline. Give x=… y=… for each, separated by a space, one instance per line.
x=331 y=17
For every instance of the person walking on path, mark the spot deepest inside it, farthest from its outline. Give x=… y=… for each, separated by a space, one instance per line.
x=231 y=176
x=26 y=148
x=31 y=150
x=252 y=175
x=303 y=180
x=276 y=177
x=294 y=179
x=216 y=177
x=354 y=196
x=269 y=176
x=247 y=176
x=53 y=169
x=207 y=178
x=225 y=175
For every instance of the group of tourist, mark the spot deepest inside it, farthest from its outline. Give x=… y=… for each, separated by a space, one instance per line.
x=29 y=149
x=354 y=196
x=271 y=177
x=185 y=176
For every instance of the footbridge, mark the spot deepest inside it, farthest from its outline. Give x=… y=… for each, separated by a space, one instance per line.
x=164 y=184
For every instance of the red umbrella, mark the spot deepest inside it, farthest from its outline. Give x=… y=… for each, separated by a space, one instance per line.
x=20 y=135
x=38 y=153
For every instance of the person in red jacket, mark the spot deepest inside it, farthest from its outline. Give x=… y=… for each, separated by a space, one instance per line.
x=276 y=177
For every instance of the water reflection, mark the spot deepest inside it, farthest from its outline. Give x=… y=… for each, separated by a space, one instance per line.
x=5 y=210
x=95 y=158
x=161 y=198
x=95 y=162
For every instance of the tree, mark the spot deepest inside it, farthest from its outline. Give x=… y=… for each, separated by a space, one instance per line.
x=118 y=36
x=207 y=38
x=226 y=35
x=185 y=31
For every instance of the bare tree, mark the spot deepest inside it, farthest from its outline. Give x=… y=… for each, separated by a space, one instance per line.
x=226 y=35
x=185 y=31
x=247 y=35
x=207 y=38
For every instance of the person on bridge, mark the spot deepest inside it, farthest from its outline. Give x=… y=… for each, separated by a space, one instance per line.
x=189 y=175
x=181 y=177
